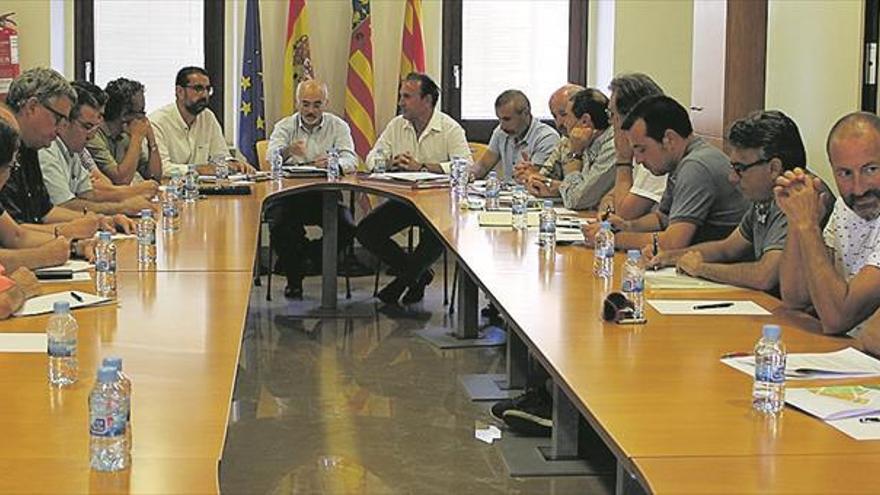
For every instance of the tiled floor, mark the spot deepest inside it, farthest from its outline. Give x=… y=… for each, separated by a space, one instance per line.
x=359 y=404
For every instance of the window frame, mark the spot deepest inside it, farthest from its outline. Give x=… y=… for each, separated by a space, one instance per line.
x=214 y=19
x=481 y=130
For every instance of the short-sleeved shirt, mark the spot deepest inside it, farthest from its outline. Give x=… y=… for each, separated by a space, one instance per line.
x=583 y=189
x=855 y=242
x=538 y=142
x=646 y=184
x=331 y=131
x=25 y=196
x=181 y=145
x=765 y=227
x=442 y=139
x=107 y=151
x=699 y=192
x=63 y=172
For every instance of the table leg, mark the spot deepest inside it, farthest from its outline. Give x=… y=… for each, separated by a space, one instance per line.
x=328 y=265
x=468 y=302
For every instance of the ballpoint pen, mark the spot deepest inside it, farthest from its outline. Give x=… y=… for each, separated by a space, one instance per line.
x=713 y=305
x=76 y=296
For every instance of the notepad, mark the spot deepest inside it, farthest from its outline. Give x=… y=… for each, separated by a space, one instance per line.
x=564 y=236
x=72 y=265
x=77 y=277
x=845 y=363
x=43 y=304
x=686 y=307
x=668 y=278
x=23 y=342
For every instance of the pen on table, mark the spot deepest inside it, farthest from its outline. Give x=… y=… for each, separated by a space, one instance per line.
x=655 y=249
x=713 y=306
x=869 y=419
x=735 y=355
x=76 y=296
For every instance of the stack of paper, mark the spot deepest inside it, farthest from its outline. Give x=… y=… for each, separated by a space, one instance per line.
x=22 y=342
x=72 y=265
x=852 y=409
x=43 y=304
x=669 y=278
x=845 y=363
x=500 y=218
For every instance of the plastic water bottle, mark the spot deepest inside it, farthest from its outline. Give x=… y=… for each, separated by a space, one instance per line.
x=603 y=252
x=518 y=208
x=170 y=209
x=547 y=228
x=221 y=169
x=276 y=162
x=175 y=184
x=146 y=238
x=633 y=282
x=61 y=334
x=107 y=451
x=105 y=265
x=493 y=191
x=454 y=170
x=333 y=171
x=125 y=384
x=463 y=178
x=191 y=184
x=768 y=391
x=380 y=161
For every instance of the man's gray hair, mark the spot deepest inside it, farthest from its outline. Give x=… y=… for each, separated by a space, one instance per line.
x=310 y=82
x=41 y=83
x=518 y=98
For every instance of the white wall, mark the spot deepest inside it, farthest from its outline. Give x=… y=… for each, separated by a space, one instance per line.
x=814 y=53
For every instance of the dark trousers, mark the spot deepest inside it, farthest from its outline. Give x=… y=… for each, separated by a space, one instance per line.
x=288 y=218
x=375 y=230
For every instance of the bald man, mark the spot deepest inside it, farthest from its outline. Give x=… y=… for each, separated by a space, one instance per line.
x=518 y=136
x=526 y=169
x=836 y=271
x=304 y=138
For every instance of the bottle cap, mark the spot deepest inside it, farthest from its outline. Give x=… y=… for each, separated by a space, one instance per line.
x=106 y=374
x=61 y=307
x=493 y=173
x=772 y=332
x=146 y=212
x=104 y=236
x=605 y=224
x=633 y=254
x=114 y=362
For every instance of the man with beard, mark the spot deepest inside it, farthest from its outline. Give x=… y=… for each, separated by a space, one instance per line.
x=124 y=145
x=518 y=135
x=187 y=132
x=836 y=271
x=305 y=137
x=762 y=147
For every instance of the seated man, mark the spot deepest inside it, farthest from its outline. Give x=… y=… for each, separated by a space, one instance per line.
x=124 y=146
x=187 y=131
x=762 y=147
x=518 y=134
x=22 y=248
x=24 y=196
x=636 y=190
x=835 y=272
x=421 y=138
x=68 y=182
x=700 y=204
x=588 y=168
x=306 y=136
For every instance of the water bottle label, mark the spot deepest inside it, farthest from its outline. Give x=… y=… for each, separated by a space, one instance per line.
x=62 y=348
x=633 y=285
x=106 y=426
x=102 y=265
x=148 y=237
x=770 y=374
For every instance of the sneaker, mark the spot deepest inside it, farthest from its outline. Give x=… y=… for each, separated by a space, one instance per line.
x=531 y=417
x=520 y=401
x=416 y=291
x=392 y=292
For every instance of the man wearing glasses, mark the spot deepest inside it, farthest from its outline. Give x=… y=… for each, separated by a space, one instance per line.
x=699 y=204
x=64 y=174
x=187 y=131
x=763 y=146
x=124 y=146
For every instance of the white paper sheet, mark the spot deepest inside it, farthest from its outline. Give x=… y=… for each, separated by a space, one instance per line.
x=121 y=237
x=72 y=265
x=410 y=176
x=836 y=402
x=504 y=219
x=77 y=277
x=488 y=434
x=23 y=342
x=855 y=428
x=569 y=235
x=686 y=307
x=845 y=363
x=43 y=304
x=668 y=278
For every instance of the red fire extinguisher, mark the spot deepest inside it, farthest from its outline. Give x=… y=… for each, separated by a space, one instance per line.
x=9 y=67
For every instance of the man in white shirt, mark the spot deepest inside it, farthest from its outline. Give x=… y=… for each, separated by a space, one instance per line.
x=187 y=132
x=836 y=271
x=305 y=137
x=421 y=138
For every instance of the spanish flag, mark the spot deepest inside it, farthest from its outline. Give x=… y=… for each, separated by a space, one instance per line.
x=359 y=109
x=412 y=50
x=297 y=56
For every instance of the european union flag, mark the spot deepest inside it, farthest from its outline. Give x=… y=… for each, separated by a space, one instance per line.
x=252 y=118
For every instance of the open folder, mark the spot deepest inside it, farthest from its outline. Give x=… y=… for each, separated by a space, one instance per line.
x=845 y=363
x=44 y=304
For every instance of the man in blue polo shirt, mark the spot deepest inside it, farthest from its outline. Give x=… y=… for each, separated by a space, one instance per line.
x=518 y=136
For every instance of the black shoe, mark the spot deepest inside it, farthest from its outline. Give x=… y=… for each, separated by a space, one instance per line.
x=391 y=293
x=416 y=291
x=529 y=414
x=294 y=291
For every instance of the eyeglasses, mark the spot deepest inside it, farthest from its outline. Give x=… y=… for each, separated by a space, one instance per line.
x=59 y=117
x=89 y=127
x=198 y=88
x=740 y=168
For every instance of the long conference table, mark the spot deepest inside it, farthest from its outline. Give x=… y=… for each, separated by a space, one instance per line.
x=676 y=419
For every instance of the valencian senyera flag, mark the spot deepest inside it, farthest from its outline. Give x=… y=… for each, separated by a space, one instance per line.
x=251 y=117
x=297 y=54
x=359 y=109
x=412 y=48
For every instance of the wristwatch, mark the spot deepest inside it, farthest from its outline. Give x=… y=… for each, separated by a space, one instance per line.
x=548 y=182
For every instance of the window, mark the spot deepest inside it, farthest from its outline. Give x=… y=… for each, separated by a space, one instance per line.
x=149 y=41
x=491 y=46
